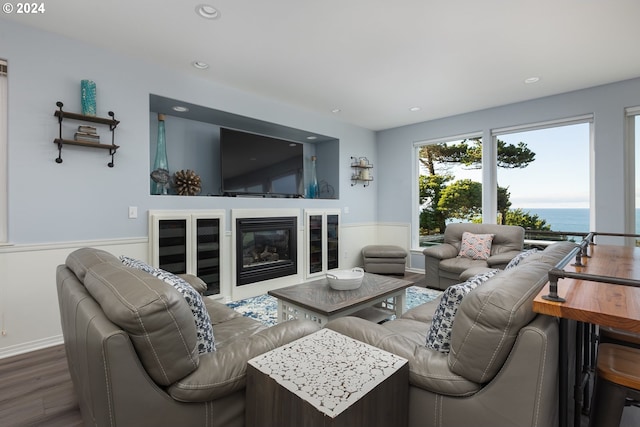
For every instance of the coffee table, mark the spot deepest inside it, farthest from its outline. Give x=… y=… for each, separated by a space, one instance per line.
x=327 y=379
x=377 y=298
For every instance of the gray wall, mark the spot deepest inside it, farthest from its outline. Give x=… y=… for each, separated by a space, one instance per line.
x=83 y=199
x=608 y=174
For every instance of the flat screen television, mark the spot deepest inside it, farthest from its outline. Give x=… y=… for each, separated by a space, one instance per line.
x=253 y=164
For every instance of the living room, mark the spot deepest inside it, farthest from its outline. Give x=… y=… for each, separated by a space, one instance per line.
x=54 y=209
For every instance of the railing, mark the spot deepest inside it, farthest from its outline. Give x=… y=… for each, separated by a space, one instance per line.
x=581 y=251
x=532 y=238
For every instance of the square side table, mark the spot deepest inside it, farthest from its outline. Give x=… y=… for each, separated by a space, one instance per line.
x=327 y=379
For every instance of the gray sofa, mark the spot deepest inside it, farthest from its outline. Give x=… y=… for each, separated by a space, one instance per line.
x=140 y=365
x=502 y=367
x=443 y=266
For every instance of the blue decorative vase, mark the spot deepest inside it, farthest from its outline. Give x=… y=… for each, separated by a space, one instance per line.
x=313 y=183
x=160 y=175
x=88 y=97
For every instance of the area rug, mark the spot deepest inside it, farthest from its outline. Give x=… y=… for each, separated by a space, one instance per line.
x=264 y=308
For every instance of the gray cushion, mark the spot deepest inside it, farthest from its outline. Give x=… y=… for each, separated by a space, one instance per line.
x=489 y=319
x=204 y=331
x=79 y=261
x=383 y=251
x=507 y=237
x=518 y=258
x=154 y=314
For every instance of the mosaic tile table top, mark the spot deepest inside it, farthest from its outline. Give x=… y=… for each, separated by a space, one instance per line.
x=264 y=308
x=329 y=370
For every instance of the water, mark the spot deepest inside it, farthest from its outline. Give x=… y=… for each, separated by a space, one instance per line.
x=573 y=219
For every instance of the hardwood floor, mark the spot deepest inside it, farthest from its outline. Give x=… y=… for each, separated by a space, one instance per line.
x=36 y=390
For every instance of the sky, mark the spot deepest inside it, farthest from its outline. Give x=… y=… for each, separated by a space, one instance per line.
x=559 y=175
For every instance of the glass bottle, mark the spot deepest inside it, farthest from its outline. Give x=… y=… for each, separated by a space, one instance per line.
x=160 y=174
x=313 y=184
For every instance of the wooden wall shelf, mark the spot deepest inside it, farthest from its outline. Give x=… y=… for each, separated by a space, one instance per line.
x=60 y=141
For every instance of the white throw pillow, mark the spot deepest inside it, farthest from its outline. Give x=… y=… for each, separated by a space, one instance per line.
x=476 y=246
x=439 y=335
x=204 y=330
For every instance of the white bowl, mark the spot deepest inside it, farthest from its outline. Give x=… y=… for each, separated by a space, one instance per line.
x=345 y=280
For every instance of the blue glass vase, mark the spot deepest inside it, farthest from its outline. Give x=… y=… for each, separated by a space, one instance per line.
x=313 y=183
x=160 y=175
x=88 y=97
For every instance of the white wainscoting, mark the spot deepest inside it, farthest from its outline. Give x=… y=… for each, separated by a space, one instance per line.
x=29 y=314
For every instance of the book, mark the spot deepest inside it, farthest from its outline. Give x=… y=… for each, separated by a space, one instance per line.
x=87 y=129
x=87 y=137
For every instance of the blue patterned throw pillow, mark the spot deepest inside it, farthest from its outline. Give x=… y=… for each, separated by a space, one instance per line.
x=204 y=330
x=518 y=258
x=439 y=335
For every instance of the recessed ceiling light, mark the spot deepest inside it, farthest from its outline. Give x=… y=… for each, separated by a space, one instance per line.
x=532 y=80
x=180 y=109
x=207 y=11
x=200 y=65
x=415 y=109
x=336 y=110
x=312 y=137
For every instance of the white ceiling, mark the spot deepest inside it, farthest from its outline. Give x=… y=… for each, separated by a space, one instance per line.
x=372 y=59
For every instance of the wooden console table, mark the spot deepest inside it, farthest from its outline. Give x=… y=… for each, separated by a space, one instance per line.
x=327 y=379
x=592 y=302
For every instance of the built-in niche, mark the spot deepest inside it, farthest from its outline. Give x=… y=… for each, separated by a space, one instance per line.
x=193 y=143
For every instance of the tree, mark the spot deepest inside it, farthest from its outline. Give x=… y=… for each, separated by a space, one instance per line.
x=526 y=220
x=504 y=204
x=430 y=189
x=470 y=154
x=462 y=199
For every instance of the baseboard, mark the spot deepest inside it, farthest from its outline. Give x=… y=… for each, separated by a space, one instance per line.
x=30 y=346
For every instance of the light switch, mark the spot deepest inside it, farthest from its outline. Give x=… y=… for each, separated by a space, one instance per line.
x=133 y=212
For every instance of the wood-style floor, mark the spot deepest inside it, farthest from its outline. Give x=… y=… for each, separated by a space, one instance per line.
x=36 y=390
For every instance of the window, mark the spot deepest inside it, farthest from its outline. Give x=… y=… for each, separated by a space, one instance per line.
x=633 y=192
x=549 y=190
x=3 y=151
x=527 y=163
x=449 y=185
x=636 y=128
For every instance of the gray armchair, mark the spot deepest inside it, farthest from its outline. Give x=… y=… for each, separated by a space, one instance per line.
x=130 y=341
x=502 y=369
x=443 y=266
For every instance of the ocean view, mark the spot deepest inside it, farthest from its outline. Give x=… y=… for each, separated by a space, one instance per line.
x=569 y=219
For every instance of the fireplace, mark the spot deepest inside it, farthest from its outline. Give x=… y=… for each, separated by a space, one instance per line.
x=266 y=248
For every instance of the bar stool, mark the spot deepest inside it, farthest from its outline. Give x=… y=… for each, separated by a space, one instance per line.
x=617 y=382
x=619 y=336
